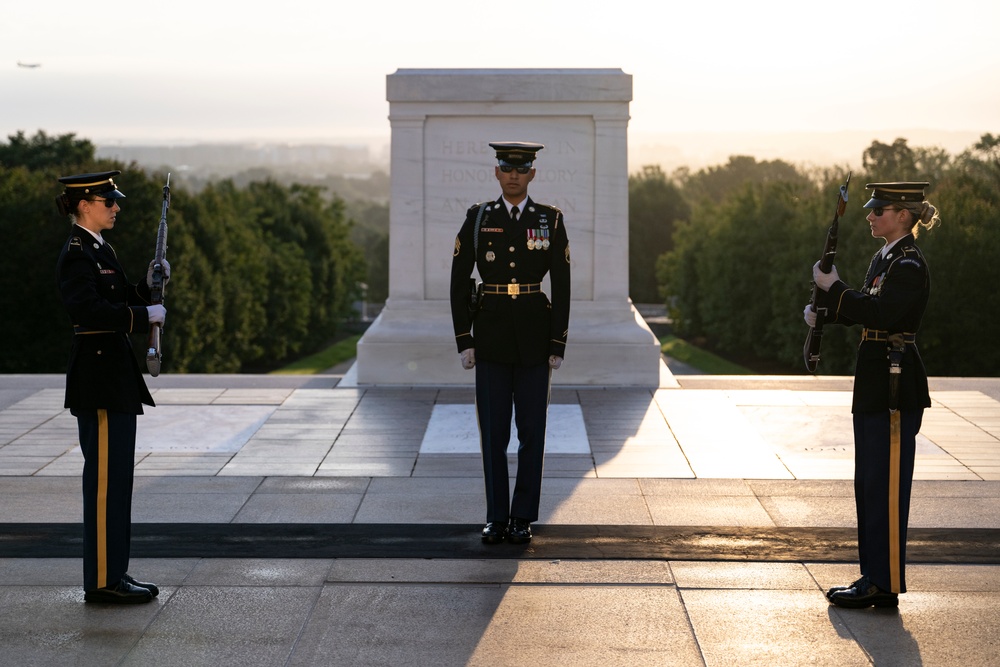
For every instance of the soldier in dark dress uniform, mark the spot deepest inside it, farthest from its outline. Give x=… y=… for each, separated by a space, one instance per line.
x=517 y=337
x=890 y=386
x=104 y=385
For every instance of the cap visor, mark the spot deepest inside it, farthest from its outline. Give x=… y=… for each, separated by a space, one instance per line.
x=877 y=203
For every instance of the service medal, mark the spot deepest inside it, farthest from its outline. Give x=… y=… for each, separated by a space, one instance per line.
x=538 y=244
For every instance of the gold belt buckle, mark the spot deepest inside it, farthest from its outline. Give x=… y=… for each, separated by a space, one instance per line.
x=513 y=289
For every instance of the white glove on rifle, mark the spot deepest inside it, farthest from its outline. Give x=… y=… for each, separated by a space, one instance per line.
x=468 y=358
x=825 y=281
x=555 y=362
x=166 y=272
x=157 y=314
x=809 y=315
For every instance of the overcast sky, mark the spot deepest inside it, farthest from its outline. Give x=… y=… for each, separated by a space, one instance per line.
x=297 y=70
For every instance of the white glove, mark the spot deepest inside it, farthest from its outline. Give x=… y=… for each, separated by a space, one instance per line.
x=809 y=315
x=468 y=358
x=825 y=281
x=555 y=362
x=166 y=272
x=157 y=314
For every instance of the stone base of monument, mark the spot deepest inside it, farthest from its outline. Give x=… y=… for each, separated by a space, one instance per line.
x=412 y=343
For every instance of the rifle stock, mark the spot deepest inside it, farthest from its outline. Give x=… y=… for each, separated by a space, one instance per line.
x=153 y=352
x=810 y=351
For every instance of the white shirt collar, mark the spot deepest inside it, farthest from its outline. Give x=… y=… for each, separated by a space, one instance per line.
x=520 y=207
x=887 y=248
x=98 y=237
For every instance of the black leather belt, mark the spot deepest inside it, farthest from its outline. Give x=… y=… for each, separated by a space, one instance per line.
x=84 y=330
x=513 y=289
x=879 y=335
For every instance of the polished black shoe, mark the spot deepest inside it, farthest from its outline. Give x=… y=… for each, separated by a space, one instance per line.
x=141 y=584
x=864 y=594
x=843 y=588
x=519 y=531
x=121 y=593
x=494 y=533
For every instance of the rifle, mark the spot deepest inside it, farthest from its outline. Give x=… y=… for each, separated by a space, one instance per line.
x=810 y=351
x=153 y=356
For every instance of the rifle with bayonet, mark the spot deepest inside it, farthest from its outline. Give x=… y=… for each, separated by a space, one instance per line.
x=153 y=353
x=810 y=351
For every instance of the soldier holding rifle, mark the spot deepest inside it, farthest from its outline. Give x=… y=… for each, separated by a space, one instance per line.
x=105 y=389
x=890 y=385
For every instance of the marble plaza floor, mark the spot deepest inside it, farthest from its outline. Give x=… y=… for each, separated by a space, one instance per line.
x=301 y=520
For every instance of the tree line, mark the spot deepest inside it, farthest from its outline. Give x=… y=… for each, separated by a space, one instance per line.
x=264 y=273
x=268 y=272
x=730 y=250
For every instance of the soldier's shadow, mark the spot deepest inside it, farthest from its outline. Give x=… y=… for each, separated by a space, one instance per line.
x=881 y=633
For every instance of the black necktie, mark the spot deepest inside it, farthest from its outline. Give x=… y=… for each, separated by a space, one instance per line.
x=513 y=213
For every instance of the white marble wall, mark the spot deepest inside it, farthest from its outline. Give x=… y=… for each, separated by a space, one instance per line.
x=442 y=122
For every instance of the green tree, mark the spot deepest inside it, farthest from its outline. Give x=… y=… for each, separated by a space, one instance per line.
x=655 y=206
x=259 y=274
x=42 y=152
x=739 y=273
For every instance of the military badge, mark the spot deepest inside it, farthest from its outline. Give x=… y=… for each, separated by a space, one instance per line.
x=490 y=256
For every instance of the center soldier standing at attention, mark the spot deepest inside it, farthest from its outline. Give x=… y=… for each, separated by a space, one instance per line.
x=514 y=336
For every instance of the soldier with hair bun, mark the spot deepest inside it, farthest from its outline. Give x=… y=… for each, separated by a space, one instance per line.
x=105 y=389
x=890 y=385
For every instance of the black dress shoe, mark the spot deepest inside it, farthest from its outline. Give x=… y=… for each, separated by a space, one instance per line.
x=494 y=533
x=843 y=588
x=121 y=593
x=864 y=594
x=519 y=531
x=141 y=584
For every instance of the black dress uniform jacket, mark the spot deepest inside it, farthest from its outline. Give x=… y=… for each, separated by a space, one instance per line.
x=523 y=330
x=104 y=308
x=892 y=300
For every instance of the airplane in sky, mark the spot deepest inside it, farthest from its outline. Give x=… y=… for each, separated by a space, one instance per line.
x=20 y=64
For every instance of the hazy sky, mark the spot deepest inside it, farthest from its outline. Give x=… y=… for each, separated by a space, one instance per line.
x=295 y=70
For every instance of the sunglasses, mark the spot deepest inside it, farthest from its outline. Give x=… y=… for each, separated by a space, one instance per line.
x=506 y=168
x=108 y=203
x=879 y=210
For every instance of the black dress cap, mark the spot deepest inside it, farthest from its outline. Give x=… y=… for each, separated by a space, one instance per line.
x=887 y=194
x=100 y=184
x=516 y=153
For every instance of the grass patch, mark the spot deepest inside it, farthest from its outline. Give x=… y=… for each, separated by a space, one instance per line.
x=322 y=360
x=706 y=362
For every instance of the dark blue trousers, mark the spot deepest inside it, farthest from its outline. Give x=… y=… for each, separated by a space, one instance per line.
x=503 y=390
x=108 y=443
x=883 y=478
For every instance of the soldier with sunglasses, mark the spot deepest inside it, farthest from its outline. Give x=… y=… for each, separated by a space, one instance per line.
x=516 y=335
x=105 y=389
x=890 y=385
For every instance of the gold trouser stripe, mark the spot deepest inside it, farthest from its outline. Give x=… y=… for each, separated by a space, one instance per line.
x=894 y=454
x=102 y=498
